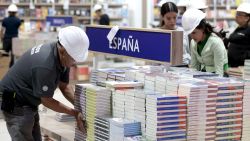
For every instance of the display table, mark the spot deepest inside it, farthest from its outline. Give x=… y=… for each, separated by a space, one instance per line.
x=60 y=131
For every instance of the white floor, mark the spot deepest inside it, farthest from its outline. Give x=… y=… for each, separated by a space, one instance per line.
x=4 y=135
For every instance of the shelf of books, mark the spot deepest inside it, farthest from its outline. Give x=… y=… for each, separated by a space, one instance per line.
x=223 y=12
x=34 y=14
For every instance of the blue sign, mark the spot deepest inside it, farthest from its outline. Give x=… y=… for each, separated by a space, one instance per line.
x=149 y=45
x=59 y=20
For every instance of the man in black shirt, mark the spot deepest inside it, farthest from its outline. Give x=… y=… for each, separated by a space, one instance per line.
x=102 y=18
x=9 y=30
x=32 y=80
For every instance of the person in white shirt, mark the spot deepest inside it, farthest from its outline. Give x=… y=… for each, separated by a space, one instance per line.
x=169 y=12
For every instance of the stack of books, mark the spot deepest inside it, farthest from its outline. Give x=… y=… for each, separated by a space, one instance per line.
x=98 y=103
x=201 y=107
x=246 y=112
x=118 y=85
x=118 y=103
x=229 y=107
x=161 y=82
x=62 y=117
x=135 y=106
x=93 y=76
x=121 y=128
x=150 y=81
x=136 y=73
x=140 y=76
x=102 y=128
x=80 y=105
x=246 y=70
x=172 y=85
x=166 y=117
x=109 y=74
x=238 y=72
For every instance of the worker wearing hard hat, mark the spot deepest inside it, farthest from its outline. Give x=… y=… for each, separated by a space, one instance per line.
x=208 y=52
x=32 y=80
x=238 y=42
x=9 y=30
x=169 y=13
x=103 y=19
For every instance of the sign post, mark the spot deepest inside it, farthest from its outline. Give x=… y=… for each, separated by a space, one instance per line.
x=151 y=45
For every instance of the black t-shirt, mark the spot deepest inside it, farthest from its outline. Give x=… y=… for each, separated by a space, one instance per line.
x=36 y=74
x=11 y=25
x=104 y=19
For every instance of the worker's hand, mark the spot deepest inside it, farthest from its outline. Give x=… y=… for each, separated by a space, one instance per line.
x=81 y=123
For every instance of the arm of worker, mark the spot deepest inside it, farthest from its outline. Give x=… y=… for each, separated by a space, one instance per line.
x=44 y=88
x=67 y=91
x=59 y=107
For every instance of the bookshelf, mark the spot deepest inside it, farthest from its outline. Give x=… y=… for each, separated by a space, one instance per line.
x=80 y=10
x=222 y=12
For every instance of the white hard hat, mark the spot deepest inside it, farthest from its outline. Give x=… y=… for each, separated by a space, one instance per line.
x=197 y=4
x=75 y=41
x=244 y=7
x=97 y=7
x=12 y=8
x=191 y=19
x=182 y=3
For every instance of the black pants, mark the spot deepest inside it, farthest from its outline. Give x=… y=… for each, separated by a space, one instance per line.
x=7 y=46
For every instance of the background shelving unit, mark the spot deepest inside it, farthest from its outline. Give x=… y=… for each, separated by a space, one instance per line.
x=34 y=13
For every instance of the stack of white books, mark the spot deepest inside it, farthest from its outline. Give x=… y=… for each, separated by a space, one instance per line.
x=140 y=76
x=110 y=74
x=62 y=117
x=118 y=85
x=102 y=128
x=201 y=109
x=246 y=70
x=118 y=103
x=98 y=103
x=246 y=112
x=130 y=75
x=166 y=117
x=135 y=106
x=161 y=82
x=229 y=107
x=172 y=85
x=150 y=81
x=121 y=128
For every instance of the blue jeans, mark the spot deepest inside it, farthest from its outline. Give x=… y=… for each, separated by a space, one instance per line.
x=23 y=124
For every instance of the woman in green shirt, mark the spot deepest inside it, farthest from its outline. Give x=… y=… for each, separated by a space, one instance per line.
x=208 y=52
